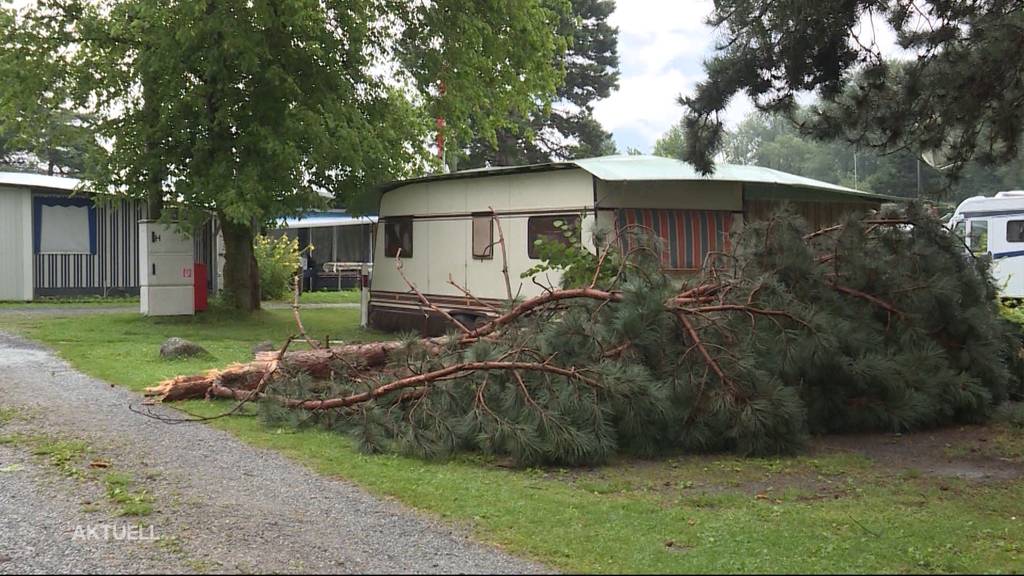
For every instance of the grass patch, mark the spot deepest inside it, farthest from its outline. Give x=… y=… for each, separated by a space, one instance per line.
x=348 y=296
x=103 y=345
x=63 y=454
x=120 y=492
x=623 y=524
x=68 y=455
x=82 y=300
x=826 y=513
x=330 y=297
x=9 y=414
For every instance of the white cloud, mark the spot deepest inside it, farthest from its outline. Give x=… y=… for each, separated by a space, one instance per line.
x=662 y=44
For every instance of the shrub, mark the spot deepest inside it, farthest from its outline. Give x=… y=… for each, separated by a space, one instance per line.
x=278 y=260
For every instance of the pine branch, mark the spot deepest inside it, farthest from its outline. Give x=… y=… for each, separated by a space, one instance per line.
x=403 y=383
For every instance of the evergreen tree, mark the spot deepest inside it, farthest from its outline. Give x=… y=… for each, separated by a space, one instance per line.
x=959 y=94
x=881 y=323
x=567 y=129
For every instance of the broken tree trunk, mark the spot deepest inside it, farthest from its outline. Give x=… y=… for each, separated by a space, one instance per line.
x=247 y=376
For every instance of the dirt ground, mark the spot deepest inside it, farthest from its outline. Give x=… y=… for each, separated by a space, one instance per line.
x=976 y=453
x=830 y=467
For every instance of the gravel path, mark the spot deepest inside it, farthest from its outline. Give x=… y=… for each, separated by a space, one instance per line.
x=221 y=505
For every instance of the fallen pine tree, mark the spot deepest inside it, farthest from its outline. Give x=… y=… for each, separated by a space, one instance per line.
x=879 y=323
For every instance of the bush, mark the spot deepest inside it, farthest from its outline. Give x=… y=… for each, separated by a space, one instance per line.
x=278 y=260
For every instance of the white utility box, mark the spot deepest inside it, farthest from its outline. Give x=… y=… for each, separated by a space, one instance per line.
x=166 y=274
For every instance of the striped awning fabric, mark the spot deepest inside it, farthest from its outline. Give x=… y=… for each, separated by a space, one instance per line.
x=687 y=235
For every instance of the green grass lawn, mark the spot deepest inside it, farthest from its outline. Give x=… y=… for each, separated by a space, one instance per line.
x=326 y=297
x=74 y=301
x=330 y=297
x=103 y=345
x=831 y=512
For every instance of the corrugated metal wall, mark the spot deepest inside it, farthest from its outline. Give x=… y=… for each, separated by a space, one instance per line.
x=116 y=262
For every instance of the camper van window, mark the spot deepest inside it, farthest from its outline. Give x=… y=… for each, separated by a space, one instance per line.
x=978 y=236
x=398 y=235
x=549 y=228
x=483 y=236
x=1015 y=231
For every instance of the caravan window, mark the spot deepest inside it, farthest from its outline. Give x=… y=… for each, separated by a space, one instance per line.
x=1015 y=231
x=398 y=235
x=977 y=238
x=549 y=228
x=483 y=236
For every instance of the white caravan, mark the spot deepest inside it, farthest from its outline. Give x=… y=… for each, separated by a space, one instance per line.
x=995 y=225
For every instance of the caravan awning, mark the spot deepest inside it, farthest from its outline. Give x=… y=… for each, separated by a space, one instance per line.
x=323 y=220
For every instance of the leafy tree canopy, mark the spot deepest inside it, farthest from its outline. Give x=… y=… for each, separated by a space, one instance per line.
x=251 y=108
x=959 y=96
x=38 y=133
x=672 y=143
x=568 y=129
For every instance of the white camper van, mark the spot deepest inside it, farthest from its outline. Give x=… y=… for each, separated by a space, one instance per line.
x=995 y=225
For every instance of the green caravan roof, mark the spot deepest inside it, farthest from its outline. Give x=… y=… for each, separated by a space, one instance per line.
x=762 y=182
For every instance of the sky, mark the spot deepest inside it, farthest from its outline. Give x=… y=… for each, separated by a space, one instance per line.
x=662 y=47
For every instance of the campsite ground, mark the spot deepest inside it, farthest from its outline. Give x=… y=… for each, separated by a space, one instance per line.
x=320 y=297
x=948 y=500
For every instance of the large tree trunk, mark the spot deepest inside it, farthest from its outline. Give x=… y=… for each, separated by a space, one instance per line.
x=241 y=272
x=317 y=363
x=154 y=176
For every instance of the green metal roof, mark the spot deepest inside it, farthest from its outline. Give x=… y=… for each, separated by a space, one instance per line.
x=624 y=168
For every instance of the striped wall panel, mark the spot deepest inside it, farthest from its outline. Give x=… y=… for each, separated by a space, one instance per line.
x=686 y=236
x=116 y=262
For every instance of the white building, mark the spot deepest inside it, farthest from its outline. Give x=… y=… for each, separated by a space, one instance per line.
x=55 y=241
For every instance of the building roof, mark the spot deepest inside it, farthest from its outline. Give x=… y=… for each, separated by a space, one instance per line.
x=31 y=180
x=629 y=168
x=322 y=219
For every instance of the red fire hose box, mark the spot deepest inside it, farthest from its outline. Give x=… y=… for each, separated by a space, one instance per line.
x=200 y=286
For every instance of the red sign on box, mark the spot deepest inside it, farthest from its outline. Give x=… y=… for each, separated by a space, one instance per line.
x=186 y=272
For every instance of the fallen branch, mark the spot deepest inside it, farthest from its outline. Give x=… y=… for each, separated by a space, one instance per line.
x=869 y=298
x=298 y=316
x=414 y=381
x=543 y=300
x=249 y=376
x=708 y=358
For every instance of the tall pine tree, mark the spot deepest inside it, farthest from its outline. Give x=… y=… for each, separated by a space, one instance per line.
x=568 y=129
x=958 y=94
